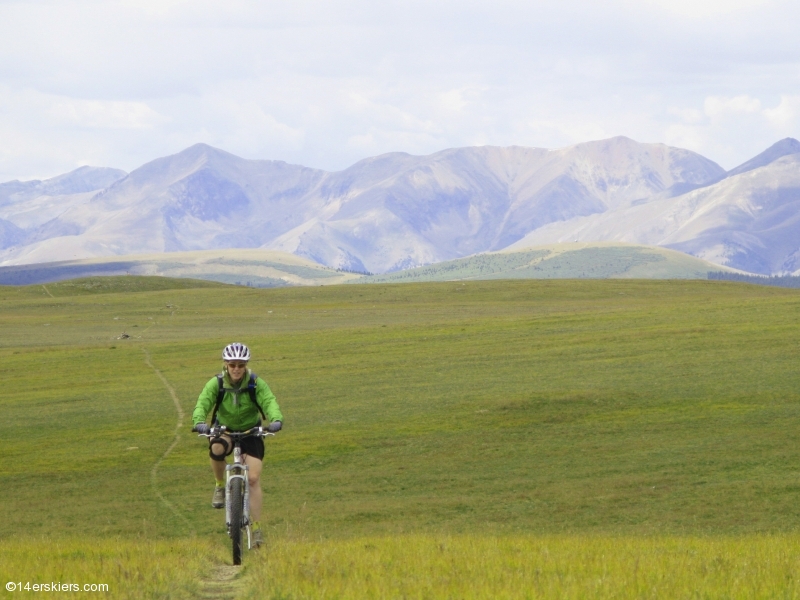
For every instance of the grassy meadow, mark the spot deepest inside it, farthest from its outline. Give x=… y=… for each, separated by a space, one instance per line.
x=541 y=439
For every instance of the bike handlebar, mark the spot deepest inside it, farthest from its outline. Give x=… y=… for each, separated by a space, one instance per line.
x=222 y=430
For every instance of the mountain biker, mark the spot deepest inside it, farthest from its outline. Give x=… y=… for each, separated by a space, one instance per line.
x=238 y=413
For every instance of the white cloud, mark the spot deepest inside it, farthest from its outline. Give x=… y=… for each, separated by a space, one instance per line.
x=101 y=114
x=326 y=83
x=703 y=9
x=718 y=130
x=685 y=136
x=687 y=115
x=716 y=107
x=785 y=114
x=457 y=100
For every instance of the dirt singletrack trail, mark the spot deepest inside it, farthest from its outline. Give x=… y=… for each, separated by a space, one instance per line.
x=224 y=582
x=175 y=440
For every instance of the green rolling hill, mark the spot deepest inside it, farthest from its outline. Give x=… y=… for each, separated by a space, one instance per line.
x=267 y=269
x=248 y=267
x=562 y=261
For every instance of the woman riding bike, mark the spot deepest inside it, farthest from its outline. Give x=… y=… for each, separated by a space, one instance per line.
x=237 y=412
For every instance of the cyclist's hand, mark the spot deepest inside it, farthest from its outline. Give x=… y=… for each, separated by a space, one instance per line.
x=201 y=428
x=275 y=426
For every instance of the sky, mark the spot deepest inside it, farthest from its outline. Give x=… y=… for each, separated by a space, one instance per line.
x=327 y=83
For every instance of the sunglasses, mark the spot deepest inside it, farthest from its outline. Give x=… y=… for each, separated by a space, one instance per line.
x=236 y=365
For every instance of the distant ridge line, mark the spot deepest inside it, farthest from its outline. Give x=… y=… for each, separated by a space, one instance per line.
x=785 y=281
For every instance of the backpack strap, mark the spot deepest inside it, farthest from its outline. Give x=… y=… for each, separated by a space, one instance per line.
x=220 y=396
x=251 y=389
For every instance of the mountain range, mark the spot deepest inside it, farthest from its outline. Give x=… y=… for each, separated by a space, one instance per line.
x=398 y=211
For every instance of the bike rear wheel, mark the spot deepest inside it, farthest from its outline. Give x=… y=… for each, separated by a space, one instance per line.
x=237 y=510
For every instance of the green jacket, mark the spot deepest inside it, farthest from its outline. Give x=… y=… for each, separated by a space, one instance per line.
x=237 y=411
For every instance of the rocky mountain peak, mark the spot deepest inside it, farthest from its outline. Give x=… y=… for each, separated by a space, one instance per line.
x=778 y=150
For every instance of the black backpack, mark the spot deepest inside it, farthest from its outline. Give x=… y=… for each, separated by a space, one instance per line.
x=251 y=390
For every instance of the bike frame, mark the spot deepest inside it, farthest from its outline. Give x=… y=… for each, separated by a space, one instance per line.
x=237 y=470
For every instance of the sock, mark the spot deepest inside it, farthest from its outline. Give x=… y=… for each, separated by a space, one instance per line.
x=220 y=483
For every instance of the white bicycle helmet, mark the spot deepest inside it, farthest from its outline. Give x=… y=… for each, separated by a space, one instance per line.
x=236 y=351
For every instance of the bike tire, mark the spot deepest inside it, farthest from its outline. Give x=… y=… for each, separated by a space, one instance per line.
x=237 y=514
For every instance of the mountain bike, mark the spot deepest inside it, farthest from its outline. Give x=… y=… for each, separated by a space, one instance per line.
x=237 y=488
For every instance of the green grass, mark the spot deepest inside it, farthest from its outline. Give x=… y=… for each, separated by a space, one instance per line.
x=419 y=566
x=115 y=285
x=480 y=266
x=530 y=567
x=130 y=568
x=487 y=412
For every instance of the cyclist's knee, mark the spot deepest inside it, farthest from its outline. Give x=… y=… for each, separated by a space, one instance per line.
x=217 y=451
x=253 y=479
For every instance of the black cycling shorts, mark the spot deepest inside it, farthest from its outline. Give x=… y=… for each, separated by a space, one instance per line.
x=252 y=446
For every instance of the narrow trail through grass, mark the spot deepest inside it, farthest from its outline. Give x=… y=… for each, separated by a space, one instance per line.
x=223 y=583
x=176 y=440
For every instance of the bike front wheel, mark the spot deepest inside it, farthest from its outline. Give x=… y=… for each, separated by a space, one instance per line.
x=237 y=514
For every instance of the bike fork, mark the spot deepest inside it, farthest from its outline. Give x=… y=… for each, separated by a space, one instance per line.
x=246 y=510
x=245 y=500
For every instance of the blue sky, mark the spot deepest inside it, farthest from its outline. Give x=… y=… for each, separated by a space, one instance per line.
x=325 y=84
